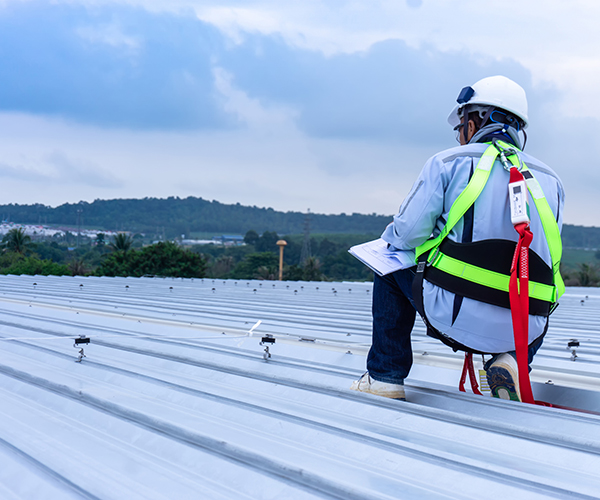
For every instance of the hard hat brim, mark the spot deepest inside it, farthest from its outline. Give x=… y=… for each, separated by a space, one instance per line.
x=453 y=118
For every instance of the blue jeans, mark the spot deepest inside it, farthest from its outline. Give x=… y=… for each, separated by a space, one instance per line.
x=390 y=356
x=394 y=313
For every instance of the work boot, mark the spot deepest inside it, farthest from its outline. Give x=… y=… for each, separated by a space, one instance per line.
x=503 y=378
x=367 y=384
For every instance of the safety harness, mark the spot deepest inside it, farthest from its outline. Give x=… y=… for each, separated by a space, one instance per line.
x=505 y=280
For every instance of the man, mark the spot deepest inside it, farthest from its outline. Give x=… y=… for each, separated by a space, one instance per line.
x=474 y=315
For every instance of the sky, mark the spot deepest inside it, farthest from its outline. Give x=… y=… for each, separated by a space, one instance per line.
x=330 y=105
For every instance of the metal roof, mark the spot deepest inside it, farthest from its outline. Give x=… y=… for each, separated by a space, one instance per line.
x=175 y=400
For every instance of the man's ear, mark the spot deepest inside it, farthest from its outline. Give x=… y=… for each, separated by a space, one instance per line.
x=471 y=129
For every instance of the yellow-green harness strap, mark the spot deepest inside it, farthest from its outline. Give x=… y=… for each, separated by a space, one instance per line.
x=549 y=224
x=464 y=200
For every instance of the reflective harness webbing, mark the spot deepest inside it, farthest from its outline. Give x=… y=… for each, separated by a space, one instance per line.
x=491 y=279
x=482 y=276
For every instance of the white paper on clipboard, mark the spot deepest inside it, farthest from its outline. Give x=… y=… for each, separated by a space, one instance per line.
x=376 y=255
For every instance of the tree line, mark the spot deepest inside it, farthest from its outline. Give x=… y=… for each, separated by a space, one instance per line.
x=125 y=255
x=173 y=216
x=259 y=258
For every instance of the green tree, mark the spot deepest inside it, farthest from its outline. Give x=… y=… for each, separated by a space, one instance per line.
x=248 y=268
x=588 y=275
x=251 y=237
x=51 y=251
x=78 y=267
x=100 y=240
x=267 y=242
x=121 y=243
x=17 y=241
x=293 y=273
x=327 y=247
x=312 y=269
x=161 y=259
x=266 y=273
x=221 y=267
x=33 y=265
x=343 y=266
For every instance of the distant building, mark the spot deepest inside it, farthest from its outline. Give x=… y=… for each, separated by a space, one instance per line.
x=229 y=240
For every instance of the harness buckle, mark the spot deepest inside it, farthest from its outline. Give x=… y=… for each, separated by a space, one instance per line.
x=505 y=153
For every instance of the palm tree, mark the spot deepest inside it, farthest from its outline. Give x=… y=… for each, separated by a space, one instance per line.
x=77 y=267
x=266 y=273
x=587 y=274
x=312 y=269
x=17 y=241
x=121 y=243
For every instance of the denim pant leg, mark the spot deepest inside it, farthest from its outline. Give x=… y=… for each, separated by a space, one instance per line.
x=390 y=356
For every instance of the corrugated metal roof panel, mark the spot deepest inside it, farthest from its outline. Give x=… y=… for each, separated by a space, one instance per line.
x=175 y=400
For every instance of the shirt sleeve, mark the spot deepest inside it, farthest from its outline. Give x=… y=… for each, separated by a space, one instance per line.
x=416 y=219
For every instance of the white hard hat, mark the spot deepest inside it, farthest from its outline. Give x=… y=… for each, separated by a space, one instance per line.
x=497 y=91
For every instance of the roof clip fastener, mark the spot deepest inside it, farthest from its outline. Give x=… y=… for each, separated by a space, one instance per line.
x=267 y=340
x=572 y=346
x=82 y=340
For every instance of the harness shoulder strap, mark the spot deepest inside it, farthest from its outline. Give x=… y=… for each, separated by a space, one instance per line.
x=464 y=200
x=549 y=224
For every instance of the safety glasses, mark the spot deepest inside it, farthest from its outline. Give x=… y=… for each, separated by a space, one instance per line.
x=457 y=131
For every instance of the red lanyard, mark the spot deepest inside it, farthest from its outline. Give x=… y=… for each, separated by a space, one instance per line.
x=518 y=291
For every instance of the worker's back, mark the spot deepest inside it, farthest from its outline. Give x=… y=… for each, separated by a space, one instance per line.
x=473 y=323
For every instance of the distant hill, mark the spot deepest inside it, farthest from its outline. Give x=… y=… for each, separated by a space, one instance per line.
x=176 y=216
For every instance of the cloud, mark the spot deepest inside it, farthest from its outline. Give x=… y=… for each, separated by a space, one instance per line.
x=120 y=66
x=58 y=168
x=112 y=66
x=77 y=171
x=389 y=92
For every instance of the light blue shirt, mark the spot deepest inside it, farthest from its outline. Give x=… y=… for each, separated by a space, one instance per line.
x=424 y=212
